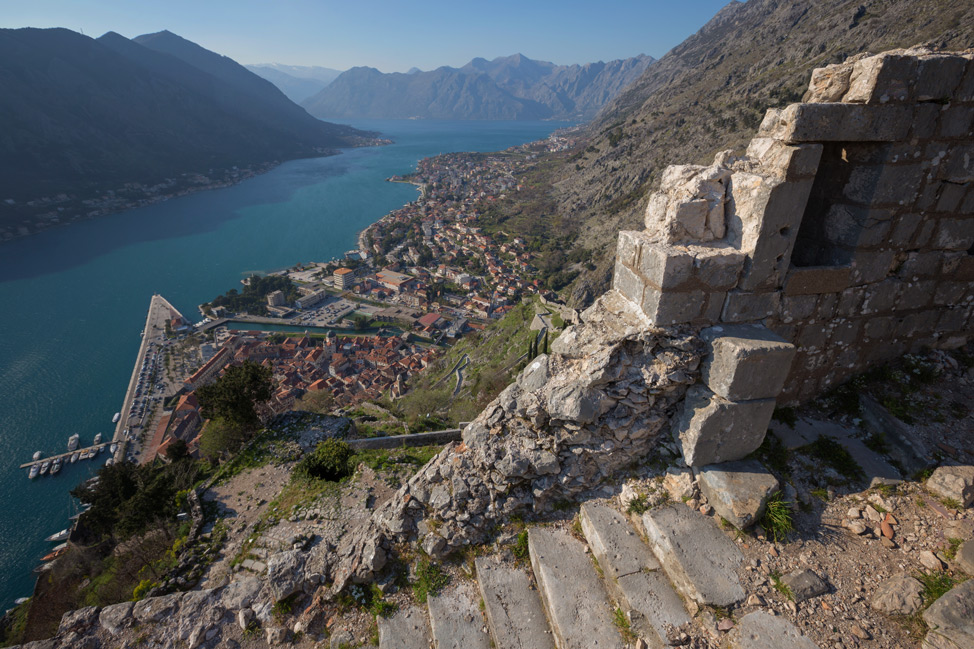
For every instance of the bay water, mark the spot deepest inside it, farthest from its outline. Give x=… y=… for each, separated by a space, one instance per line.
x=73 y=300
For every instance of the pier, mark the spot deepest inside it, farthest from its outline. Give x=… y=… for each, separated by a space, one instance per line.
x=65 y=456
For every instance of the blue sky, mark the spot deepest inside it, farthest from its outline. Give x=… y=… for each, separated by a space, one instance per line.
x=392 y=35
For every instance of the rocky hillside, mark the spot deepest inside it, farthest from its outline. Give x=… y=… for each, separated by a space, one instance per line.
x=512 y=87
x=709 y=94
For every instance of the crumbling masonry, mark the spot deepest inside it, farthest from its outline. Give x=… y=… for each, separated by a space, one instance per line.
x=841 y=239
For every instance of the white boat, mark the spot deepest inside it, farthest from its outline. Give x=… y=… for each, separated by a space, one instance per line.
x=33 y=471
x=74 y=457
x=110 y=461
x=113 y=447
x=117 y=416
x=45 y=467
x=97 y=441
x=59 y=536
x=56 y=466
x=37 y=455
x=73 y=441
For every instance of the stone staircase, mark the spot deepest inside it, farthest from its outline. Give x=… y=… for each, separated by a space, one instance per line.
x=584 y=594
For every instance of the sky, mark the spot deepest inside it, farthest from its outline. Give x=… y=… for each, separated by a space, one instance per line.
x=391 y=35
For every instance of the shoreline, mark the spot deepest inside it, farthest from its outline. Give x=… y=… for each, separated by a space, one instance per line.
x=420 y=187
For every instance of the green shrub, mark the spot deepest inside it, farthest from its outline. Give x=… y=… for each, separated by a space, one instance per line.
x=430 y=580
x=329 y=461
x=521 y=546
x=142 y=589
x=638 y=505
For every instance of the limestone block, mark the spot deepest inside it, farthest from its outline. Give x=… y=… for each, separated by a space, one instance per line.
x=881 y=298
x=738 y=491
x=690 y=204
x=956 y=162
x=899 y=595
x=956 y=121
x=628 y=283
x=712 y=429
x=884 y=184
x=664 y=266
x=708 y=267
x=870 y=266
x=746 y=362
x=937 y=76
x=954 y=234
x=916 y=295
x=951 y=619
x=785 y=161
x=955 y=482
x=800 y=123
x=882 y=78
x=925 y=120
x=905 y=227
x=817 y=279
x=742 y=306
x=665 y=308
x=829 y=84
x=965 y=90
x=764 y=215
x=951 y=196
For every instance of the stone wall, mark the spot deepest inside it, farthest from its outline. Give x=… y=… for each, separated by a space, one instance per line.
x=846 y=228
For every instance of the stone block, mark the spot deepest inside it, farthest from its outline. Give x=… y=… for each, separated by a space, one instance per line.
x=738 y=491
x=689 y=208
x=798 y=307
x=829 y=84
x=664 y=266
x=871 y=266
x=938 y=76
x=957 y=164
x=879 y=328
x=785 y=161
x=954 y=234
x=881 y=79
x=628 y=283
x=666 y=308
x=746 y=362
x=965 y=89
x=884 y=184
x=817 y=279
x=922 y=265
x=804 y=585
x=712 y=429
x=951 y=619
x=743 y=306
x=900 y=595
x=904 y=228
x=881 y=297
x=763 y=630
x=850 y=302
x=627 y=247
x=951 y=197
x=952 y=320
x=956 y=121
x=952 y=293
x=954 y=482
x=812 y=336
x=916 y=295
x=925 y=120
x=800 y=123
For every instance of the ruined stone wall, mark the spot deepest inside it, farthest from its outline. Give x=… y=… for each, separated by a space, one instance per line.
x=846 y=228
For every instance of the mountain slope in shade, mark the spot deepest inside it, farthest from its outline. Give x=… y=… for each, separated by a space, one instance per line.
x=710 y=93
x=82 y=115
x=513 y=87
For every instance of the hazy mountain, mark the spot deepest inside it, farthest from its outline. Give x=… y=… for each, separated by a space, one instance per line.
x=709 y=94
x=512 y=87
x=81 y=114
x=296 y=81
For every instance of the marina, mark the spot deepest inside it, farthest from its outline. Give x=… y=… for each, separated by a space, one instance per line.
x=89 y=451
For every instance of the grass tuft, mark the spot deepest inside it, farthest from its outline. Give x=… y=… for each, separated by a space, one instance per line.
x=777 y=521
x=430 y=580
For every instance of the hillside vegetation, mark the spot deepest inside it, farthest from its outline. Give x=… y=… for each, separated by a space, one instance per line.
x=709 y=94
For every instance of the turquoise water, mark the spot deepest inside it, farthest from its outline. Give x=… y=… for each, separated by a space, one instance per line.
x=74 y=299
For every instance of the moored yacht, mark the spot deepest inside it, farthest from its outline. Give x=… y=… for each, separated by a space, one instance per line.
x=56 y=466
x=33 y=471
x=45 y=467
x=73 y=441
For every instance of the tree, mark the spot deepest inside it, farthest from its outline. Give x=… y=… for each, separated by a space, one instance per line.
x=177 y=451
x=545 y=341
x=360 y=321
x=317 y=401
x=235 y=395
x=220 y=438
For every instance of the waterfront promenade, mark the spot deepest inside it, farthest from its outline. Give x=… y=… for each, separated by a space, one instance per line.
x=153 y=335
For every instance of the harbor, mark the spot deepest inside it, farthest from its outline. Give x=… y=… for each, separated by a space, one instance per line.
x=82 y=452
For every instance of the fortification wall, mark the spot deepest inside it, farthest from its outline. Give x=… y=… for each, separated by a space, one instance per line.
x=846 y=229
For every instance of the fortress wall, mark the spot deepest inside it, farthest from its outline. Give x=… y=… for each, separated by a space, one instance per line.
x=847 y=228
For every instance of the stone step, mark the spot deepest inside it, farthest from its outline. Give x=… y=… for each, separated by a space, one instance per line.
x=514 y=612
x=699 y=559
x=633 y=575
x=761 y=630
x=575 y=599
x=406 y=629
x=455 y=619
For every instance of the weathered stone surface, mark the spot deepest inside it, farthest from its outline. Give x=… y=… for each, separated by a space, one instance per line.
x=829 y=84
x=455 y=619
x=804 y=584
x=900 y=595
x=801 y=123
x=737 y=491
x=632 y=573
x=690 y=204
x=698 y=558
x=240 y=593
x=514 y=612
x=746 y=362
x=965 y=557
x=743 y=306
x=712 y=429
x=153 y=609
x=951 y=619
x=881 y=79
x=955 y=482
x=116 y=617
x=761 y=630
x=678 y=483
x=574 y=597
x=78 y=621
x=285 y=573
x=817 y=280
x=406 y=629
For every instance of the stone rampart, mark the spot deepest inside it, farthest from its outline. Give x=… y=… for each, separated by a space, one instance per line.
x=846 y=228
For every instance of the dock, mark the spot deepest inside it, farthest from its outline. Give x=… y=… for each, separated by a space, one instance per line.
x=63 y=456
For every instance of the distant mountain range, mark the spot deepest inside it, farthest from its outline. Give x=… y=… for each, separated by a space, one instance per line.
x=298 y=82
x=82 y=114
x=512 y=87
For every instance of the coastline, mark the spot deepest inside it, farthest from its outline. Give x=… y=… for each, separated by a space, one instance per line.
x=420 y=187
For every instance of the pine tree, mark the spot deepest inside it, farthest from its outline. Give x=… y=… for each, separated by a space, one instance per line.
x=546 y=341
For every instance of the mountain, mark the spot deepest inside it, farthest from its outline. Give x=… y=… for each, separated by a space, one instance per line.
x=709 y=94
x=85 y=115
x=512 y=87
x=296 y=81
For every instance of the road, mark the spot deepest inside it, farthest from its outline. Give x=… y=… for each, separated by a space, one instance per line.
x=460 y=368
x=153 y=340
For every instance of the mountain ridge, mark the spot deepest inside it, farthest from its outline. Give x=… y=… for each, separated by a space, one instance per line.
x=512 y=87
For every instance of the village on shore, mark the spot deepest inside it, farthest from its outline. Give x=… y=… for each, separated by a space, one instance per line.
x=422 y=277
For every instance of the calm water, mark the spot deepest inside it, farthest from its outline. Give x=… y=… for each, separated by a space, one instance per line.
x=74 y=300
